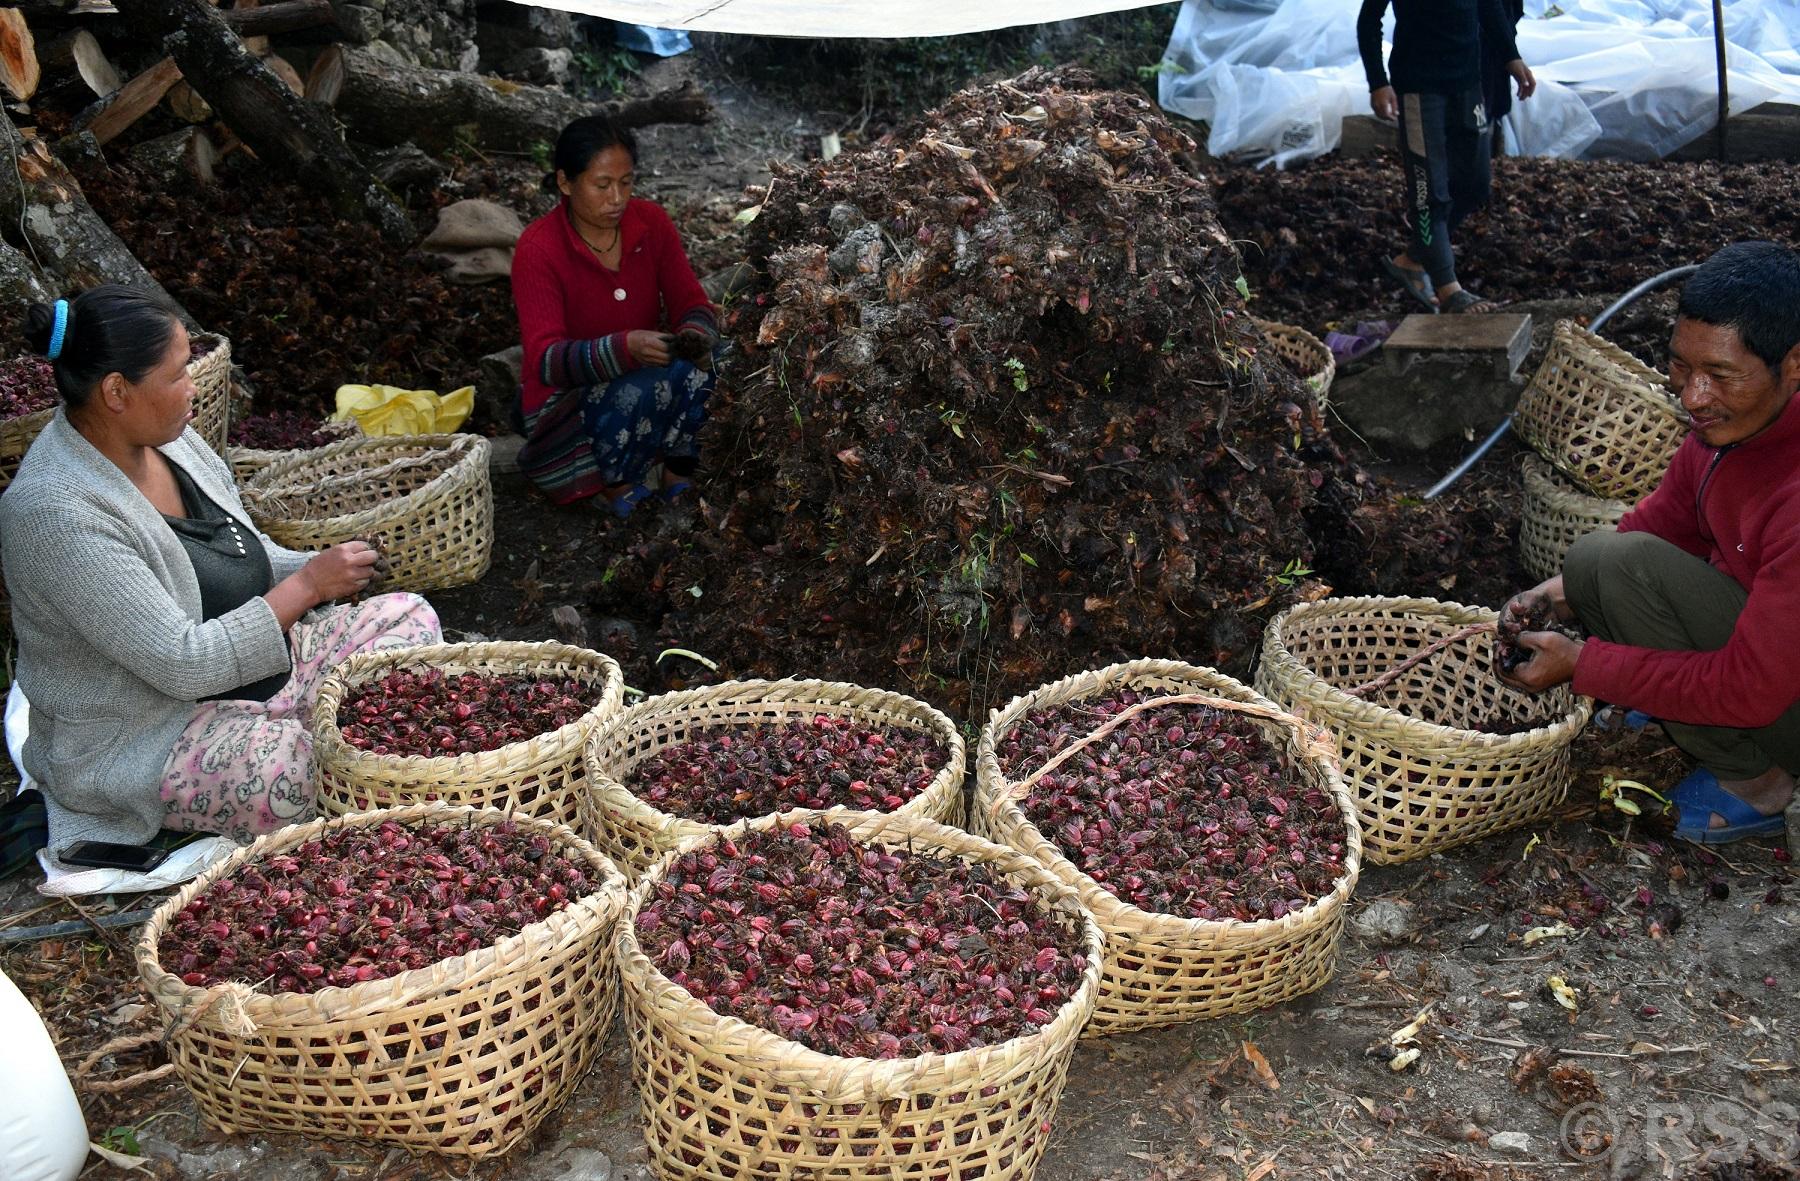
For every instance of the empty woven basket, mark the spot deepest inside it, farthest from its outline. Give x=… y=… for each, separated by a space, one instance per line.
x=1600 y=416
x=425 y=500
x=1421 y=754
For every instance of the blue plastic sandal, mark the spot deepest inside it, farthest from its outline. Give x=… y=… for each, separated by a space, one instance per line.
x=677 y=490
x=1698 y=796
x=626 y=501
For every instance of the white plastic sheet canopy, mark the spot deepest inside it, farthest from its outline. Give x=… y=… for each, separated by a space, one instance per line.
x=840 y=18
x=1617 y=79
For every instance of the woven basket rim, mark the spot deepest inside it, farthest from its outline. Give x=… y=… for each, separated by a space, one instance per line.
x=1342 y=706
x=328 y=735
x=1557 y=492
x=465 y=450
x=604 y=790
x=1294 y=332
x=1571 y=335
x=765 y=1049
x=266 y=455
x=28 y=425
x=602 y=904
x=1109 y=907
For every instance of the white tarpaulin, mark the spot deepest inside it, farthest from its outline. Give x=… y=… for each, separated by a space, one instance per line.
x=1617 y=79
x=840 y=18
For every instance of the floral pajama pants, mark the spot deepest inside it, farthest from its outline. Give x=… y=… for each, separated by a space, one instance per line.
x=244 y=768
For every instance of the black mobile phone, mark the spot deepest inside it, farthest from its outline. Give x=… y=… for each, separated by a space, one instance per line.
x=107 y=855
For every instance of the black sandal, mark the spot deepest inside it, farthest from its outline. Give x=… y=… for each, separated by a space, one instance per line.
x=1417 y=283
x=1467 y=302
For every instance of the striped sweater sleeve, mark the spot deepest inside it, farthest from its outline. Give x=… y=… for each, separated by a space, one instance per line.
x=569 y=363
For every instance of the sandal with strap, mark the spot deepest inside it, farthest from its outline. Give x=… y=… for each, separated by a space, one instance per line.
x=673 y=492
x=1700 y=795
x=1417 y=283
x=1466 y=301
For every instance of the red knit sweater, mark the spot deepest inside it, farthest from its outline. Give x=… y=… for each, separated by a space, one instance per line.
x=1739 y=508
x=573 y=319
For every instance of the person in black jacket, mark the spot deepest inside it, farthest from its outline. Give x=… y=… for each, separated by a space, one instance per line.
x=1435 y=92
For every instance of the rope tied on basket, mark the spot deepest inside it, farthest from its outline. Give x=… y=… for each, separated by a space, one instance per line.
x=231 y=1006
x=1313 y=739
x=1419 y=657
x=291 y=500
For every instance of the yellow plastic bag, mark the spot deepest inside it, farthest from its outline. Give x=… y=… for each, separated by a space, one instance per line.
x=390 y=410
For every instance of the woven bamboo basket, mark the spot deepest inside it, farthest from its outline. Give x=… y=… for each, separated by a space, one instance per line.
x=16 y=438
x=636 y=835
x=439 y=1059
x=723 y=1100
x=425 y=499
x=1600 y=416
x=1556 y=515
x=542 y=776
x=1305 y=354
x=1425 y=777
x=247 y=461
x=1162 y=969
x=211 y=374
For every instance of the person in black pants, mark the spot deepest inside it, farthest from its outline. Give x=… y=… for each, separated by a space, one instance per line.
x=1435 y=93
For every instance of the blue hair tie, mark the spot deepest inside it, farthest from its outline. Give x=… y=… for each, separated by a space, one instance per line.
x=61 y=330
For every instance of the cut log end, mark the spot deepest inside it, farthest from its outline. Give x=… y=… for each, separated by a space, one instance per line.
x=181 y=158
x=18 y=55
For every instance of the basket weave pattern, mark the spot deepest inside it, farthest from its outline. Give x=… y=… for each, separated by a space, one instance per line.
x=211 y=375
x=1555 y=515
x=1162 y=969
x=1304 y=353
x=636 y=835
x=541 y=776
x=1426 y=778
x=16 y=437
x=425 y=499
x=723 y=1100
x=1600 y=416
x=437 y=1059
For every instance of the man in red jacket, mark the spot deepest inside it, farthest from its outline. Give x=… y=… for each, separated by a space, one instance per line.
x=1693 y=606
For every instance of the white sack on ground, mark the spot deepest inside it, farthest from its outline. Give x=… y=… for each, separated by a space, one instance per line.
x=1619 y=79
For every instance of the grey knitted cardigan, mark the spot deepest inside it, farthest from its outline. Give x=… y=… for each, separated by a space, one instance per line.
x=112 y=651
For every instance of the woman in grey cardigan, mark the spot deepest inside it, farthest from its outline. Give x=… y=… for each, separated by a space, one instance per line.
x=170 y=651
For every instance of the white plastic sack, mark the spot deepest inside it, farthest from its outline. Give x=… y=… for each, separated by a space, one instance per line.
x=1554 y=123
x=1631 y=79
x=43 y=1136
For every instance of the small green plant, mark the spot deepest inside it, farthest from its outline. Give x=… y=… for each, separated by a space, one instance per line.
x=1020 y=381
x=953 y=418
x=1614 y=789
x=542 y=154
x=1151 y=73
x=607 y=70
x=1293 y=572
x=122 y=1139
x=1243 y=287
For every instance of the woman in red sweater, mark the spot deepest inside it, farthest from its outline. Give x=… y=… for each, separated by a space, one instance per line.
x=618 y=332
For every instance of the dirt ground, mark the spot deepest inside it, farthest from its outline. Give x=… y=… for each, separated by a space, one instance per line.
x=1679 y=1057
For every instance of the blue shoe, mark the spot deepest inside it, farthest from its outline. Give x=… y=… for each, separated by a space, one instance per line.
x=626 y=501
x=676 y=491
x=1698 y=796
x=1613 y=719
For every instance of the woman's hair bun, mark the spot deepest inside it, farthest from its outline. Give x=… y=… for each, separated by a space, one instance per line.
x=40 y=323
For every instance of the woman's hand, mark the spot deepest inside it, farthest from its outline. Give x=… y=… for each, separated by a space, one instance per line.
x=342 y=570
x=1386 y=103
x=647 y=347
x=694 y=346
x=1523 y=76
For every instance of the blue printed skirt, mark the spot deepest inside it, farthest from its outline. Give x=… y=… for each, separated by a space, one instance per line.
x=588 y=437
